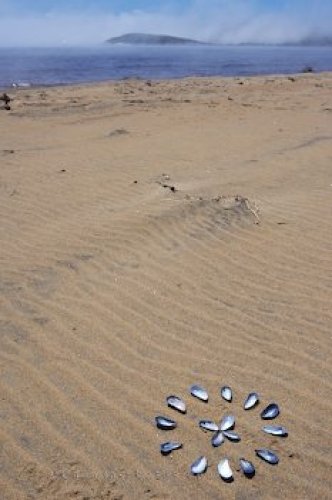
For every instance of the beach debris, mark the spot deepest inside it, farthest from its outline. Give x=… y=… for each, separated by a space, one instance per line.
x=171 y=188
x=275 y=430
x=251 y=401
x=308 y=69
x=232 y=436
x=176 y=403
x=5 y=98
x=208 y=425
x=247 y=468
x=225 y=470
x=217 y=439
x=226 y=393
x=267 y=455
x=270 y=412
x=199 y=466
x=199 y=393
x=227 y=423
x=169 y=446
x=165 y=423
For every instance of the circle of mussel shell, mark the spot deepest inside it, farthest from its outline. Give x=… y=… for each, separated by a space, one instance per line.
x=222 y=431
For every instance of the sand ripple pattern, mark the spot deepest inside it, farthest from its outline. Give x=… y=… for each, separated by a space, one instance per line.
x=117 y=290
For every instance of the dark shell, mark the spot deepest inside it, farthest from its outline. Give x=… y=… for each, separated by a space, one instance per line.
x=226 y=393
x=270 y=412
x=251 y=401
x=199 y=466
x=267 y=455
x=199 y=393
x=217 y=439
x=275 y=430
x=227 y=423
x=169 y=446
x=247 y=468
x=176 y=403
x=164 y=423
x=208 y=425
x=232 y=436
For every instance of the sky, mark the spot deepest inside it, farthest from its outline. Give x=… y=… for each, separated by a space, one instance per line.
x=82 y=22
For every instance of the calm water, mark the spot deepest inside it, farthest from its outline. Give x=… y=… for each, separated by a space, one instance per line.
x=50 y=66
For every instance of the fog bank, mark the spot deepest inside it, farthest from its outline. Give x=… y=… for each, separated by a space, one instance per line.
x=230 y=22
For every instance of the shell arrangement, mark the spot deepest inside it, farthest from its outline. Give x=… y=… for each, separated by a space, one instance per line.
x=221 y=431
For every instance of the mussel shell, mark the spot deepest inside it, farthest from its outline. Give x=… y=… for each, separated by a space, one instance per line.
x=165 y=423
x=226 y=393
x=208 y=425
x=217 y=439
x=247 y=468
x=199 y=466
x=271 y=411
x=227 y=422
x=225 y=470
x=176 y=403
x=169 y=446
x=251 y=401
x=199 y=392
x=267 y=455
x=232 y=436
x=275 y=430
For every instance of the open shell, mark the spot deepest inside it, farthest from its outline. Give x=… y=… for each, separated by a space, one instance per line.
x=199 y=466
x=199 y=393
x=225 y=470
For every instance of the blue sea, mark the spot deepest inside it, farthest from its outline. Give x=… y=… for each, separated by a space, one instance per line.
x=68 y=65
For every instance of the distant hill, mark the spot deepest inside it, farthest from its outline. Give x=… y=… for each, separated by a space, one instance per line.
x=146 y=39
x=316 y=41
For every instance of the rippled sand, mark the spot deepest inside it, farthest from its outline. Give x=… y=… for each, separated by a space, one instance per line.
x=155 y=235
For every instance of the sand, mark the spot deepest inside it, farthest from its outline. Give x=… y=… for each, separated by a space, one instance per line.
x=155 y=235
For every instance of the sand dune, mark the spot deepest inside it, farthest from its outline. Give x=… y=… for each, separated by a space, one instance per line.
x=155 y=235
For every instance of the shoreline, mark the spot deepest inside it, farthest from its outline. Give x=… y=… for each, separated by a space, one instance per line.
x=20 y=88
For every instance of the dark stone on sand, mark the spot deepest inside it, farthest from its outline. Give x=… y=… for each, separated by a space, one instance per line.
x=308 y=69
x=5 y=98
x=171 y=188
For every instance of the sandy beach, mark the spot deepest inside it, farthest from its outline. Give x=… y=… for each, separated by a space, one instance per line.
x=156 y=235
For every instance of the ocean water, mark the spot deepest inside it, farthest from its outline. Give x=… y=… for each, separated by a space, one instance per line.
x=65 y=65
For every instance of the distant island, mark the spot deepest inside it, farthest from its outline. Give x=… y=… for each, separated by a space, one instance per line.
x=149 y=39
x=146 y=39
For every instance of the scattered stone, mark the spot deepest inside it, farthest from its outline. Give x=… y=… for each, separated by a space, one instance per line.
x=171 y=188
